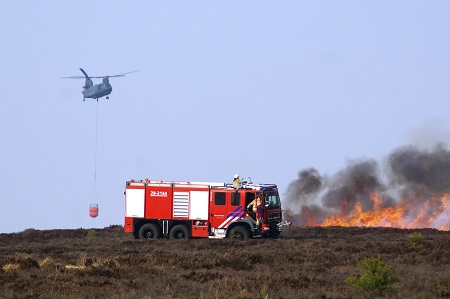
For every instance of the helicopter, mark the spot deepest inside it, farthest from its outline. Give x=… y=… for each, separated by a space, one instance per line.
x=96 y=91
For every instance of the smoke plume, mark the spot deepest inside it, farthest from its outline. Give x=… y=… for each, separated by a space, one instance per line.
x=421 y=173
x=413 y=184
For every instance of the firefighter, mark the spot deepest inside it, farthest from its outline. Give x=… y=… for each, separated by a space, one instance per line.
x=236 y=182
x=256 y=206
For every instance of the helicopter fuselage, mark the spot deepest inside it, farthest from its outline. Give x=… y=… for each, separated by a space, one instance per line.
x=98 y=90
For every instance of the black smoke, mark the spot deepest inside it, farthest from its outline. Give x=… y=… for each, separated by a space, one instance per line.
x=420 y=173
x=407 y=173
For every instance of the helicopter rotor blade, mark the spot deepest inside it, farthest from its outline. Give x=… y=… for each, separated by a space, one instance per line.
x=74 y=77
x=101 y=77
x=123 y=74
x=84 y=72
x=97 y=77
x=112 y=76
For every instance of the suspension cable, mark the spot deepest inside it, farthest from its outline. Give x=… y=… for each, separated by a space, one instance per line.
x=94 y=187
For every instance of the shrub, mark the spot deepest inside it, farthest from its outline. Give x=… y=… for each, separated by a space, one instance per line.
x=264 y=291
x=116 y=226
x=415 y=240
x=443 y=289
x=91 y=234
x=374 y=276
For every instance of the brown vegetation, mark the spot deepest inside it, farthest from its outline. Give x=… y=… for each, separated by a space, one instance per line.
x=305 y=262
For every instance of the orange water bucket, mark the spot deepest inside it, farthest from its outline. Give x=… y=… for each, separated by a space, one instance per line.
x=93 y=210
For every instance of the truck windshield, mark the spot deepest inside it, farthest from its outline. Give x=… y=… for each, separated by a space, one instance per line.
x=272 y=200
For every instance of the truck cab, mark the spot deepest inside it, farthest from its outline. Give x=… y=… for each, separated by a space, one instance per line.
x=234 y=215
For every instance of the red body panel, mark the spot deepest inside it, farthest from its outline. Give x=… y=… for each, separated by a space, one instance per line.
x=128 y=227
x=200 y=231
x=217 y=212
x=158 y=202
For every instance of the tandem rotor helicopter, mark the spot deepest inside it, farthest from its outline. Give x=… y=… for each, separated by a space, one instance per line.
x=96 y=91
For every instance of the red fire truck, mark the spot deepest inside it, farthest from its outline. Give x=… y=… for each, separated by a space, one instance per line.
x=155 y=209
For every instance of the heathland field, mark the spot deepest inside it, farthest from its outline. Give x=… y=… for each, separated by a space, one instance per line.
x=305 y=262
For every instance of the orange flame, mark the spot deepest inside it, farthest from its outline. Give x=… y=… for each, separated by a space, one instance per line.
x=433 y=213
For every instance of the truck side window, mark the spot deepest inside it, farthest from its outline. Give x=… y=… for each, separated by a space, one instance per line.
x=235 y=199
x=219 y=198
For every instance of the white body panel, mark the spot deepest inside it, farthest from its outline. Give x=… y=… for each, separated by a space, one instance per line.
x=135 y=202
x=198 y=205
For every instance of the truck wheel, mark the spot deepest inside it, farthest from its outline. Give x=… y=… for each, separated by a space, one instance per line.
x=179 y=231
x=238 y=232
x=149 y=231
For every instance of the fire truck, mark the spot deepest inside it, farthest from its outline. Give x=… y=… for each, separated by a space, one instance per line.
x=182 y=210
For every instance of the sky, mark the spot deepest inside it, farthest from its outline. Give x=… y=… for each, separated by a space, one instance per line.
x=259 y=88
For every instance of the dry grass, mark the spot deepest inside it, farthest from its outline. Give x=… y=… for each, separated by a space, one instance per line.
x=303 y=263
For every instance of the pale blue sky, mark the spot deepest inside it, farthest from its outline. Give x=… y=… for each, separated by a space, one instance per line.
x=259 y=88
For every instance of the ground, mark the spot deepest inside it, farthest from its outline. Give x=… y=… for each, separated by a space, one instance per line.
x=304 y=262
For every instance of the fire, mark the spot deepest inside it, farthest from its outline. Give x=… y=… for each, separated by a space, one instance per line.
x=432 y=213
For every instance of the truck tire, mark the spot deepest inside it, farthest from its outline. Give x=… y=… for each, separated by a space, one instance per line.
x=239 y=232
x=149 y=231
x=179 y=231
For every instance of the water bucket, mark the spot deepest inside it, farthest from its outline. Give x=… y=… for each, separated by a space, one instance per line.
x=93 y=210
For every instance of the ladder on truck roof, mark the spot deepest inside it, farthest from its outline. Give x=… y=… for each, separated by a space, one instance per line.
x=253 y=186
x=147 y=182
x=217 y=185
